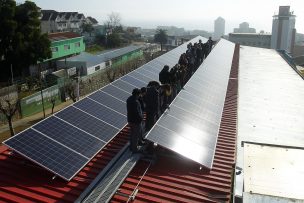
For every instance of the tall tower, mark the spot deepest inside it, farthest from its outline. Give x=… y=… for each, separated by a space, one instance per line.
x=219 y=28
x=283 y=30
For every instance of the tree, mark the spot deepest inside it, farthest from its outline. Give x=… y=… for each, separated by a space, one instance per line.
x=111 y=74
x=70 y=89
x=113 y=27
x=21 y=41
x=113 y=40
x=53 y=102
x=9 y=104
x=113 y=21
x=161 y=37
x=88 y=28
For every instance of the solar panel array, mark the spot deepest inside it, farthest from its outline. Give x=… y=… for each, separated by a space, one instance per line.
x=65 y=142
x=190 y=127
x=118 y=52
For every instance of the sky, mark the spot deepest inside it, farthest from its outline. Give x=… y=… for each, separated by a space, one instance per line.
x=189 y=14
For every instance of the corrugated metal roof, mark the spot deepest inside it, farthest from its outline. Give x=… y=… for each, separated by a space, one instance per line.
x=93 y=60
x=270 y=102
x=176 y=180
x=62 y=36
x=118 y=52
x=23 y=181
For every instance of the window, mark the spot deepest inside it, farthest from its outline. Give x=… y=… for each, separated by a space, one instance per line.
x=66 y=47
x=97 y=68
x=77 y=44
x=54 y=49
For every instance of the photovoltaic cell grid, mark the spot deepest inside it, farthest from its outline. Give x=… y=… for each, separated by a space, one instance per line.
x=66 y=141
x=190 y=127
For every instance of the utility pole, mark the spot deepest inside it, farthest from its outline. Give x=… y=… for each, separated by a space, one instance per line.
x=78 y=80
x=40 y=82
x=12 y=74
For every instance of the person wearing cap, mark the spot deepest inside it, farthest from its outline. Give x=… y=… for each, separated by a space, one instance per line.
x=135 y=118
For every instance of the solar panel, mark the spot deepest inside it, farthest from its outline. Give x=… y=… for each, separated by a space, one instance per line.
x=148 y=70
x=88 y=123
x=102 y=112
x=116 y=92
x=140 y=77
x=152 y=68
x=148 y=74
x=109 y=101
x=133 y=81
x=70 y=136
x=179 y=144
x=47 y=153
x=123 y=85
x=191 y=127
x=190 y=131
x=194 y=117
x=66 y=141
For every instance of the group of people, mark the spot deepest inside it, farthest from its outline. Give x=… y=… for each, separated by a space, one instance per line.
x=150 y=100
x=155 y=98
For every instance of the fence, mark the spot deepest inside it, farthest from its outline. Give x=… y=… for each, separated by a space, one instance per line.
x=33 y=104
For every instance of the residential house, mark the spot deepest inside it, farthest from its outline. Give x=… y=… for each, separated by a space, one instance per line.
x=63 y=44
x=53 y=21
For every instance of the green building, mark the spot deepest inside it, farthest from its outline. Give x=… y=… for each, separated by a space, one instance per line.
x=65 y=44
x=89 y=63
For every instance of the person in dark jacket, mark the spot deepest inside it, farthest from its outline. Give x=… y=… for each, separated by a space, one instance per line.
x=164 y=75
x=210 y=44
x=152 y=104
x=135 y=118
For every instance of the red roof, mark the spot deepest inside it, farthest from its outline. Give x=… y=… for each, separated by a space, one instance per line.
x=167 y=180
x=172 y=180
x=22 y=181
x=57 y=36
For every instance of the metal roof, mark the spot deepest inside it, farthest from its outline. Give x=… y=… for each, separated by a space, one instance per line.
x=249 y=197
x=270 y=106
x=89 y=59
x=19 y=182
x=118 y=52
x=93 y=60
x=171 y=179
x=58 y=36
x=273 y=170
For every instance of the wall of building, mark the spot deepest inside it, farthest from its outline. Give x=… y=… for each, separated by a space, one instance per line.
x=87 y=70
x=274 y=31
x=33 y=104
x=95 y=68
x=254 y=40
x=61 y=51
x=283 y=34
x=80 y=65
x=219 y=28
x=127 y=57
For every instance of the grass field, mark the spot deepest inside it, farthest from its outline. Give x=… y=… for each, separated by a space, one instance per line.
x=6 y=134
x=94 y=49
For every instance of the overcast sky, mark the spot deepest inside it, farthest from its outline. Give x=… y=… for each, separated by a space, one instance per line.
x=190 y=14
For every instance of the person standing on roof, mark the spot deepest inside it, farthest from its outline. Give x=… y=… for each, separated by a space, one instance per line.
x=164 y=75
x=135 y=118
x=210 y=43
x=141 y=99
x=152 y=104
